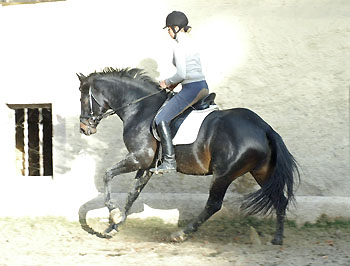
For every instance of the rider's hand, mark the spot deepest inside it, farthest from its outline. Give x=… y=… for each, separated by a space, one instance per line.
x=162 y=84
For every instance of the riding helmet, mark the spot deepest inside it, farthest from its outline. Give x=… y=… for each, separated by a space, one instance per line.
x=176 y=18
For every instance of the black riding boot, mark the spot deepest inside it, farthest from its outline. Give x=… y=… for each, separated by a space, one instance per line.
x=169 y=163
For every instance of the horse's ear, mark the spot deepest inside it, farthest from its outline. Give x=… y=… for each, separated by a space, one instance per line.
x=81 y=77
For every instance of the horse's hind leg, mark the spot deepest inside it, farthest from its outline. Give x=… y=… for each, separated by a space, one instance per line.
x=280 y=213
x=261 y=175
x=214 y=204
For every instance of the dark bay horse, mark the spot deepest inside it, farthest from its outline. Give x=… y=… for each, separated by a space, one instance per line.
x=230 y=143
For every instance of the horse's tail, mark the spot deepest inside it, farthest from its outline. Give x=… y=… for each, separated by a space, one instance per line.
x=278 y=191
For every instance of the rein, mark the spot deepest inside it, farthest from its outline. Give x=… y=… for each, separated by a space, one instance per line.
x=112 y=112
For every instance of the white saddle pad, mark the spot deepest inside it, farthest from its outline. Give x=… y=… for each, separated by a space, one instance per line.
x=188 y=131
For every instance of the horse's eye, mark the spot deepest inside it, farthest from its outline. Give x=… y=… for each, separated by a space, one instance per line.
x=83 y=100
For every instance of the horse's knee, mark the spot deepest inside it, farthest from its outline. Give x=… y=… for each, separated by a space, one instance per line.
x=214 y=206
x=108 y=177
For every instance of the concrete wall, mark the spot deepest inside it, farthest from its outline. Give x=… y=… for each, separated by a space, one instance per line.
x=286 y=60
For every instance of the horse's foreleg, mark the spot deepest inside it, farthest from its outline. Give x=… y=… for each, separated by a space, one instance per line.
x=214 y=204
x=140 y=182
x=129 y=164
x=108 y=190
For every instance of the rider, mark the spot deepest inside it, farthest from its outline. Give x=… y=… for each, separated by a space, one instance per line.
x=194 y=87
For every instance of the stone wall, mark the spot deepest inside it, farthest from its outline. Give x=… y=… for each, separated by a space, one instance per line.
x=286 y=60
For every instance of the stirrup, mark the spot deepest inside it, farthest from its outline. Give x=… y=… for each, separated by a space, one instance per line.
x=165 y=167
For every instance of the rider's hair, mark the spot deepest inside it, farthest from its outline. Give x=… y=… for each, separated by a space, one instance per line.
x=187 y=29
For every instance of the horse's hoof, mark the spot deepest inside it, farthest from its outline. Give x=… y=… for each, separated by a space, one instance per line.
x=111 y=228
x=116 y=216
x=179 y=236
x=277 y=241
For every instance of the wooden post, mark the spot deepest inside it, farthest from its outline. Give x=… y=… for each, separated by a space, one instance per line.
x=47 y=142
x=20 y=157
x=33 y=142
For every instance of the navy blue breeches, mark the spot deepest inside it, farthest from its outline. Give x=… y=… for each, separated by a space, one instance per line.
x=189 y=94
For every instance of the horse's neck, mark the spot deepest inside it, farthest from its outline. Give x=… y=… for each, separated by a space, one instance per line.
x=141 y=106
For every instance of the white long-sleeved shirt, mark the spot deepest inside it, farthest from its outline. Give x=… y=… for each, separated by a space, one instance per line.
x=187 y=61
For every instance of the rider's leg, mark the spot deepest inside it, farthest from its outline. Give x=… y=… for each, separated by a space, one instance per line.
x=169 y=163
x=179 y=103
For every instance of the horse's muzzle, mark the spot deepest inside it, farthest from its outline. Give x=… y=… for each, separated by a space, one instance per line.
x=87 y=129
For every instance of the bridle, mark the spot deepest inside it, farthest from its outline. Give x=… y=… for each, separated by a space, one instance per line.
x=99 y=117
x=93 y=120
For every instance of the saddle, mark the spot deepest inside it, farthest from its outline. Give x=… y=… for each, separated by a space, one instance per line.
x=175 y=124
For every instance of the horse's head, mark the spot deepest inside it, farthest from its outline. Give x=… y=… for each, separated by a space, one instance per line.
x=93 y=106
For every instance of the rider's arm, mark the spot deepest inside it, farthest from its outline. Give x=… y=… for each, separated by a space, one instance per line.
x=180 y=64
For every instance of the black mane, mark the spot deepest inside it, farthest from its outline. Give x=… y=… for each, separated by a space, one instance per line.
x=128 y=73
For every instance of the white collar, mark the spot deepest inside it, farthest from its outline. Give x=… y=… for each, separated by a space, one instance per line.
x=181 y=36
